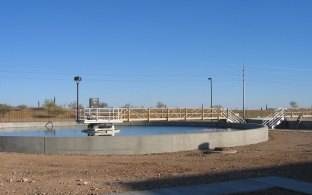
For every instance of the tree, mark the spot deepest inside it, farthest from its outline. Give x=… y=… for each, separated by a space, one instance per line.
x=128 y=105
x=103 y=105
x=4 y=108
x=22 y=106
x=293 y=104
x=217 y=106
x=161 y=105
x=73 y=105
x=53 y=109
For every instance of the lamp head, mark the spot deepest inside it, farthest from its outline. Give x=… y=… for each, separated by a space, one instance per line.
x=77 y=79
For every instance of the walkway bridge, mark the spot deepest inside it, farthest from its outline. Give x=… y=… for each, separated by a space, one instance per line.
x=119 y=115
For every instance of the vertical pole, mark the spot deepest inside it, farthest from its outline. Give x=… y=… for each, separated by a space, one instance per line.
x=210 y=79
x=185 y=111
x=77 y=119
x=129 y=114
x=211 y=93
x=243 y=90
x=167 y=114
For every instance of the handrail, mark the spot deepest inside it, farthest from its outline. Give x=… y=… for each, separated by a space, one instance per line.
x=231 y=116
x=274 y=118
x=148 y=114
x=96 y=114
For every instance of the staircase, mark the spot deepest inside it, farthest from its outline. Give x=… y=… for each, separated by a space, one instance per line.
x=231 y=116
x=275 y=118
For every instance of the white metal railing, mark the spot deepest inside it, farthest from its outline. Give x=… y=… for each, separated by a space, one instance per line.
x=275 y=118
x=101 y=114
x=93 y=115
x=231 y=116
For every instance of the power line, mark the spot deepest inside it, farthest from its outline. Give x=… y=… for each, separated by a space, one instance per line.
x=281 y=68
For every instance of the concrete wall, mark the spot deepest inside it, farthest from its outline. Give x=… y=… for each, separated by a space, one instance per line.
x=289 y=123
x=22 y=144
x=153 y=144
x=139 y=144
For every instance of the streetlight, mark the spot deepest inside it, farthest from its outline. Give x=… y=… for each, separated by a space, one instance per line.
x=77 y=79
x=210 y=92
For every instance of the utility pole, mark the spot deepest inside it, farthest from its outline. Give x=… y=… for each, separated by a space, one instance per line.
x=244 y=90
x=210 y=79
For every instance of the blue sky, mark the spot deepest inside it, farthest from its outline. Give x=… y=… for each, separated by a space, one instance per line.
x=144 y=51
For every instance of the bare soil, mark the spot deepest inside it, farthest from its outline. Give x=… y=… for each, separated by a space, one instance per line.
x=287 y=154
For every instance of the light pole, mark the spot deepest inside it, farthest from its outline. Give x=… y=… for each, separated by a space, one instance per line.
x=210 y=92
x=77 y=79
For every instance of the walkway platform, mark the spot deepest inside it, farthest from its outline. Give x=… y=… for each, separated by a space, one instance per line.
x=230 y=187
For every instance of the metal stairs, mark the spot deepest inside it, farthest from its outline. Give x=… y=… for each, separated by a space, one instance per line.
x=231 y=116
x=275 y=118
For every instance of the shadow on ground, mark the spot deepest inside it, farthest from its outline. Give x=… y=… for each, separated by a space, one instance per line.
x=300 y=171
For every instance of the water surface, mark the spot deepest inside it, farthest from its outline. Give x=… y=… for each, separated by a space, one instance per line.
x=124 y=131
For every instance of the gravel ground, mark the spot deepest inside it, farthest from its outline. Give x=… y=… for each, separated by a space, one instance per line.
x=286 y=154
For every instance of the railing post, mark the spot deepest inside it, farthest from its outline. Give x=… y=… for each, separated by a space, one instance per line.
x=162 y=113
x=180 y=113
x=149 y=114
x=227 y=113
x=185 y=112
x=203 y=112
x=129 y=114
x=306 y=110
x=291 y=112
x=167 y=114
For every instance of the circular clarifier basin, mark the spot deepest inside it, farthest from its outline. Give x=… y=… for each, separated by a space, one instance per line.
x=144 y=138
x=124 y=131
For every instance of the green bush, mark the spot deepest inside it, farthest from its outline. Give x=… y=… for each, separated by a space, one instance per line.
x=4 y=108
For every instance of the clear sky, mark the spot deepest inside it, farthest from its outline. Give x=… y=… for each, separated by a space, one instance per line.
x=144 y=51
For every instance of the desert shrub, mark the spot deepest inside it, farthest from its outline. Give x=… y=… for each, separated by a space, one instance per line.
x=161 y=105
x=53 y=109
x=4 y=108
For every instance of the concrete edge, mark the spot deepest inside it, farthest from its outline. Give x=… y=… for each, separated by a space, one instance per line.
x=138 y=144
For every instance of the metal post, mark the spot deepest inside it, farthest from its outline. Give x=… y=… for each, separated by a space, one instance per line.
x=77 y=102
x=243 y=90
x=77 y=79
x=210 y=92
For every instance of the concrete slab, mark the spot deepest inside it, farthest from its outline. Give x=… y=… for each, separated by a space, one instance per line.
x=238 y=186
x=290 y=184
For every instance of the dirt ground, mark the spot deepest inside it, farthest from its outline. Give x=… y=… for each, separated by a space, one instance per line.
x=286 y=154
